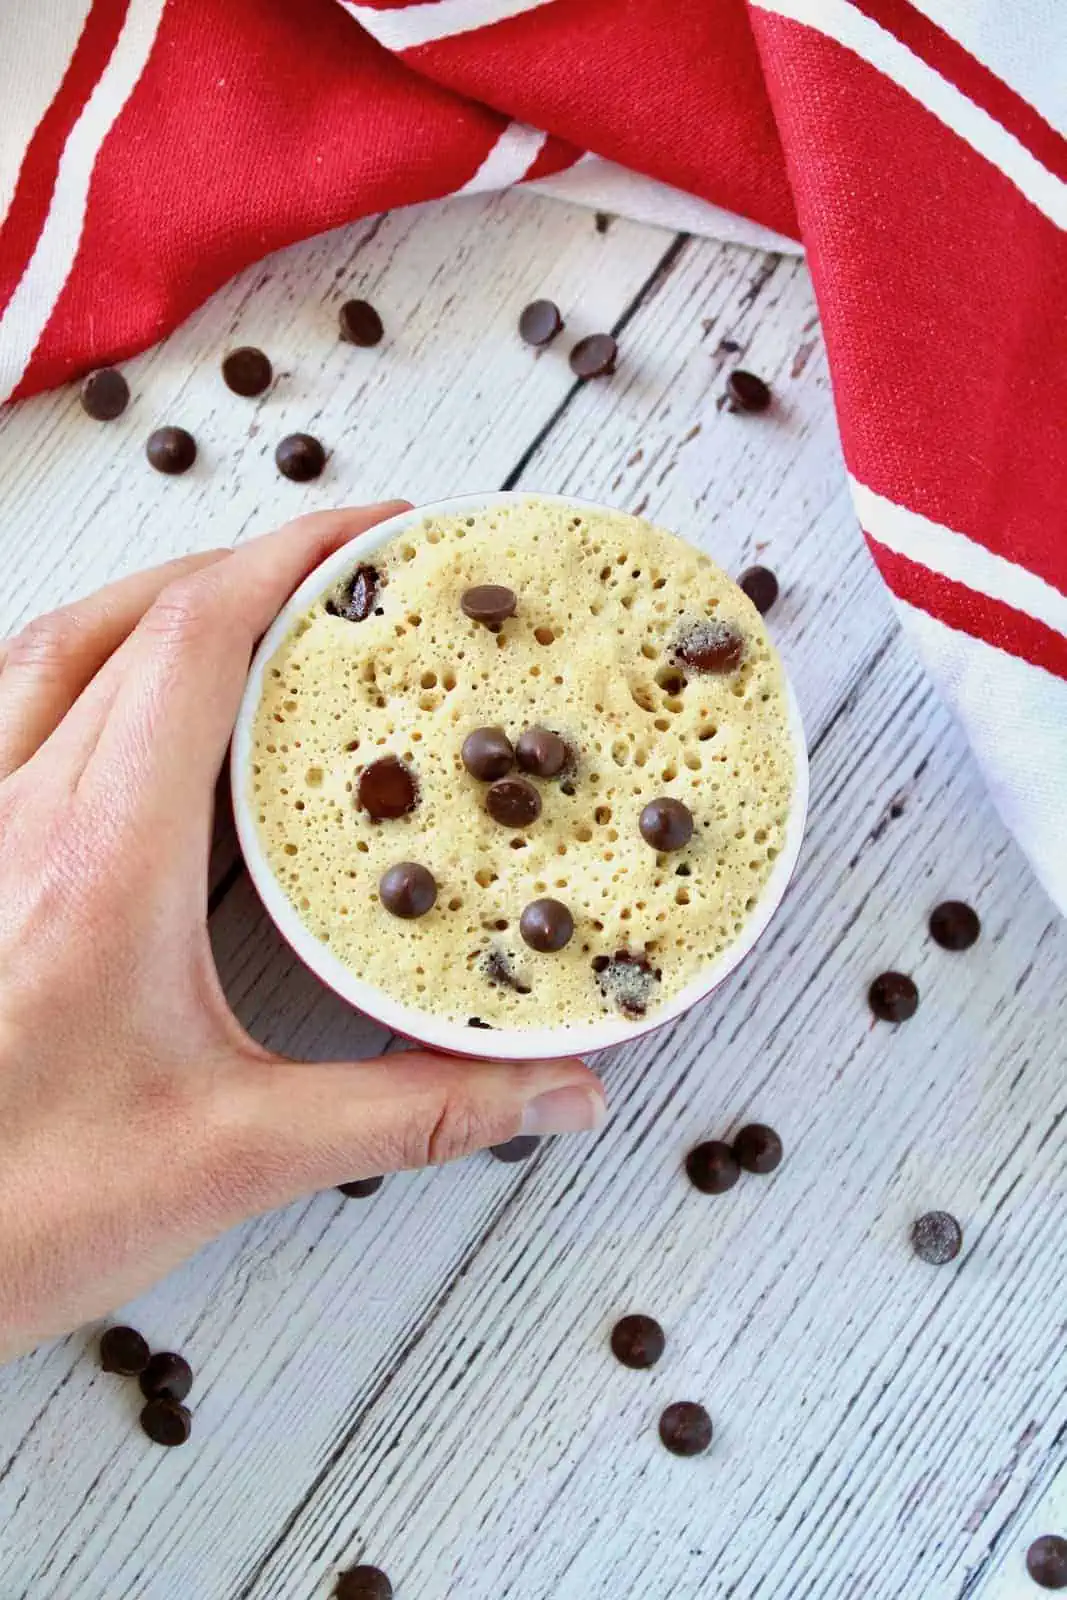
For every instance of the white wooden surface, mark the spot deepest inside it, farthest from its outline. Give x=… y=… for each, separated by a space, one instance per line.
x=422 y=1380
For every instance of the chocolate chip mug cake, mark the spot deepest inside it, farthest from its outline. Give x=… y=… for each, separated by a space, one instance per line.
x=526 y=767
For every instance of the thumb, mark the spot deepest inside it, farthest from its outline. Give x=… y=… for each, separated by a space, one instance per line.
x=288 y=1127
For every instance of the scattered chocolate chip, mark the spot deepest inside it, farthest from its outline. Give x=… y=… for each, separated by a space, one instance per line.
x=387 y=789
x=360 y=323
x=1046 y=1561
x=893 y=997
x=540 y=322
x=476 y=1022
x=758 y=1148
x=166 y=1376
x=166 y=1422
x=729 y=347
x=363 y=1583
x=498 y=969
x=627 y=979
x=711 y=646
x=356 y=599
x=937 y=1238
x=954 y=925
x=541 y=752
x=746 y=392
x=123 y=1350
x=407 y=890
x=300 y=457
x=685 y=1428
x=513 y=802
x=602 y=221
x=594 y=356
x=247 y=371
x=361 y=1188
x=521 y=1148
x=487 y=754
x=666 y=824
x=171 y=450
x=490 y=603
x=712 y=1167
x=105 y=394
x=637 y=1341
x=761 y=586
x=546 y=925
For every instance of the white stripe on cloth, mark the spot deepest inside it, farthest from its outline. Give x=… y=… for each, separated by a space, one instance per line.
x=1024 y=44
x=508 y=162
x=39 y=41
x=839 y=21
x=439 y=19
x=955 y=556
x=1015 y=715
x=33 y=302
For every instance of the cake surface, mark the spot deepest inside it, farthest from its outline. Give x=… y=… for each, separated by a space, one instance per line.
x=629 y=646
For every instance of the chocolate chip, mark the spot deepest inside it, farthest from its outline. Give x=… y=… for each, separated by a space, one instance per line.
x=602 y=221
x=637 y=1341
x=711 y=646
x=685 y=1428
x=546 y=925
x=361 y=1188
x=521 y=1148
x=628 y=979
x=300 y=457
x=761 y=586
x=166 y=1376
x=247 y=371
x=513 y=802
x=746 y=392
x=476 y=1022
x=666 y=824
x=594 y=356
x=498 y=969
x=166 y=1422
x=490 y=603
x=123 y=1350
x=712 y=1167
x=363 y=1583
x=360 y=324
x=171 y=450
x=542 y=752
x=387 y=789
x=1046 y=1561
x=937 y=1238
x=356 y=599
x=893 y=997
x=407 y=890
x=758 y=1148
x=105 y=394
x=954 y=925
x=487 y=754
x=540 y=322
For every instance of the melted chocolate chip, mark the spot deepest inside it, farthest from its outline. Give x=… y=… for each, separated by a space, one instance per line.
x=513 y=802
x=407 y=890
x=123 y=1350
x=937 y=1238
x=712 y=1167
x=628 y=979
x=247 y=371
x=166 y=1376
x=746 y=392
x=637 y=1341
x=488 y=603
x=666 y=824
x=893 y=997
x=166 y=1422
x=546 y=925
x=300 y=457
x=487 y=754
x=387 y=789
x=711 y=646
x=476 y=1022
x=761 y=586
x=171 y=450
x=594 y=356
x=954 y=925
x=498 y=969
x=541 y=752
x=540 y=322
x=685 y=1428
x=360 y=324
x=758 y=1148
x=357 y=598
x=105 y=394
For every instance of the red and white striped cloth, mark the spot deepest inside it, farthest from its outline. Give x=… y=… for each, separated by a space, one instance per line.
x=150 y=148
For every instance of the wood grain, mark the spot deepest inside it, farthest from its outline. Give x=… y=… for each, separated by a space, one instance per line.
x=423 y=1378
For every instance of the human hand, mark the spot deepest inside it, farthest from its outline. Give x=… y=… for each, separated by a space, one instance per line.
x=137 y=1118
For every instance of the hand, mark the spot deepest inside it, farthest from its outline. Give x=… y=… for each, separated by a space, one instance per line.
x=137 y=1118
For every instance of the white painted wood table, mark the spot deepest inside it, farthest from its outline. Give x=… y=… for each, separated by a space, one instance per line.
x=422 y=1380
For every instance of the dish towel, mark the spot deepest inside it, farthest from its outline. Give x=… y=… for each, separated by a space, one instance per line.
x=151 y=148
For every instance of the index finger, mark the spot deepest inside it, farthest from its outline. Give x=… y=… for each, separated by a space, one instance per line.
x=187 y=660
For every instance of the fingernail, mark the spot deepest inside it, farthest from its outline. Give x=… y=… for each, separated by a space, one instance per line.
x=572 y=1110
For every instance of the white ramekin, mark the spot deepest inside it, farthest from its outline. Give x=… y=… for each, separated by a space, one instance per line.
x=499 y=1044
